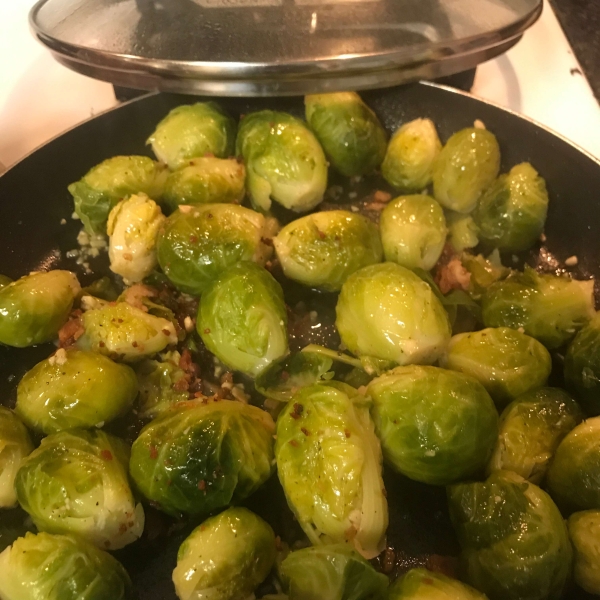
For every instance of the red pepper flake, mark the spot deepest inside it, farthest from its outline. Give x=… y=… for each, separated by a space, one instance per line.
x=193 y=239
x=134 y=344
x=166 y=332
x=202 y=485
x=153 y=452
x=119 y=320
x=122 y=528
x=321 y=234
x=305 y=431
x=207 y=331
x=347 y=432
x=294 y=443
x=106 y=455
x=297 y=412
x=285 y=375
x=101 y=344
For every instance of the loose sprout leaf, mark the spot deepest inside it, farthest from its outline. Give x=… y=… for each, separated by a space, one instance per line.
x=283 y=378
x=103 y=288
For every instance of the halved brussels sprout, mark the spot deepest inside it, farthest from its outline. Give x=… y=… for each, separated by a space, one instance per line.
x=323 y=249
x=411 y=153
x=514 y=540
x=466 y=166
x=198 y=457
x=61 y=567
x=284 y=161
x=124 y=332
x=206 y=180
x=348 y=130
x=421 y=584
x=584 y=529
x=197 y=244
x=4 y=281
x=74 y=388
x=193 y=130
x=505 y=361
x=329 y=464
x=76 y=482
x=463 y=233
x=225 y=558
x=531 y=428
x=283 y=378
x=35 y=307
x=549 y=308
x=582 y=366
x=112 y=180
x=242 y=319
x=15 y=445
x=332 y=572
x=574 y=474
x=388 y=312
x=435 y=426
x=413 y=231
x=132 y=228
x=162 y=383
x=512 y=212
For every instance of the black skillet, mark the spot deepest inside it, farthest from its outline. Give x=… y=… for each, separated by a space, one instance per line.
x=34 y=200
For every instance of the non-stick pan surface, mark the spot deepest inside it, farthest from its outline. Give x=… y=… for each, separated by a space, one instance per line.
x=34 y=201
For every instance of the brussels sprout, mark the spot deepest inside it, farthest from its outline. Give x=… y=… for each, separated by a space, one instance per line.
x=15 y=445
x=35 y=307
x=467 y=164
x=225 y=558
x=242 y=319
x=348 y=130
x=507 y=362
x=197 y=244
x=411 y=153
x=206 y=180
x=574 y=474
x=76 y=482
x=531 y=428
x=124 y=332
x=283 y=378
x=284 y=161
x=584 y=530
x=514 y=541
x=549 y=308
x=421 y=584
x=133 y=225
x=413 y=231
x=4 y=281
x=333 y=572
x=74 y=388
x=61 y=567
x=198 y=457
x=112 y=180
x=512 y=212
x=325 y=436
x=193 y=130
x=323 y=249
x=162 y=383
x=435 y=426
x=582 y=366
x=463 y=233
x=388 y=312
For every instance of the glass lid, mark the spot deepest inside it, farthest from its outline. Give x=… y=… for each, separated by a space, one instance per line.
x=276 y=47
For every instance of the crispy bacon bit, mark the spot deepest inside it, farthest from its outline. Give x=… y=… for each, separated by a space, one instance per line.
x=135 y=294
x=377 y=206
x=381 y=196
x=202 y=485
x=305 y=431
x=153 y=452
x=297 y=412
x=71 y=331
x=106 y=455
x=452 y=276
x=181 y=385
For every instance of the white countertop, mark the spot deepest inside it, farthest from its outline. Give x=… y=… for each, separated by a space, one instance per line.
x=39 y=98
